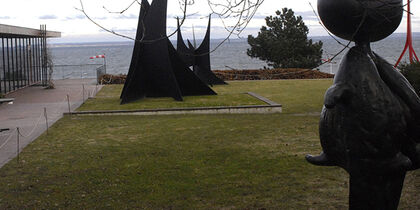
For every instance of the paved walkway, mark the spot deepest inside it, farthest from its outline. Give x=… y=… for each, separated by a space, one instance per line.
x=27 y=112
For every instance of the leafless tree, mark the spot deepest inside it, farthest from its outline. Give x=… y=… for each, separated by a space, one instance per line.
x=50 y=69
x=242 y=11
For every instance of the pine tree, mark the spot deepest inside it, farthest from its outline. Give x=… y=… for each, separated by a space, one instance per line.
x=283 y=43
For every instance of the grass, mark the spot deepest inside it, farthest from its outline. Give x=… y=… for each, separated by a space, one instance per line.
x=108 y=99
x=295 y=96
x=248 y=161
x=181 y=162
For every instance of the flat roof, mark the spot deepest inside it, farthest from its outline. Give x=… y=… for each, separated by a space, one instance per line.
x=8 y=31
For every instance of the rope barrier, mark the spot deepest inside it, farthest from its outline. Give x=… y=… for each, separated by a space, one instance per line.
x=66 y=102
x=62 y=105
x=58 y=107
x=7 y=140
x=33 y=128
x=4 y=135
x=43 y=114
x=7 y=135
x=21 y=133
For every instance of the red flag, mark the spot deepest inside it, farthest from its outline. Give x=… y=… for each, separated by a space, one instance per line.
x=98 y=56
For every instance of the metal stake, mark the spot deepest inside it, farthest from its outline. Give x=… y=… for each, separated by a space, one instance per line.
x=17 y=149
x=68 y=103
x=83 y=90
x=46 y=118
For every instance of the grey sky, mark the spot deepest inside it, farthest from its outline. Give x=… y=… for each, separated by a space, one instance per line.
x=61 y=15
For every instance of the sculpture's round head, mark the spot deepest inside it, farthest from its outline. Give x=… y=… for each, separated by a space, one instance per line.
x=361 y=20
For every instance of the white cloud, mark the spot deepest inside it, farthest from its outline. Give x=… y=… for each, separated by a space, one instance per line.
x=48 y=17
x=75 y=17
x=62 y=16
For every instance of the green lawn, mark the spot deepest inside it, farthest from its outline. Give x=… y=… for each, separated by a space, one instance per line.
x=295 y=96
x=108 y=99
x=238 y=161
x=183 y=162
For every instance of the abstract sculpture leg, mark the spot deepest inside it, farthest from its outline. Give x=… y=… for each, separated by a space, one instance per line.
x=185 y=53
x=202 y=61
x=370 y=113
x=136 y=50
x=189 y=83
x=198 y=58
x=153 y=76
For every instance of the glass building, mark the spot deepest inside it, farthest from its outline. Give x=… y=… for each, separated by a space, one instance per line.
x=23 y=57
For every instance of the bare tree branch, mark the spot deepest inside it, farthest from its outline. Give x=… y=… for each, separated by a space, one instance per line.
x=365 y=13
x=241 y=10
x=82 y=9
x=122 y=11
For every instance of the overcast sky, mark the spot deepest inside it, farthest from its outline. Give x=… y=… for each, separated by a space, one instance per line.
x=61 y=15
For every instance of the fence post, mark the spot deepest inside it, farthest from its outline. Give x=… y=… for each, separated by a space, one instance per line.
x=17 y=148
x=46 y=118
x=83 y=90
x=68 y=103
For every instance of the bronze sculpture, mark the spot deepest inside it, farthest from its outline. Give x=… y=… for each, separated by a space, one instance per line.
x=371 y=116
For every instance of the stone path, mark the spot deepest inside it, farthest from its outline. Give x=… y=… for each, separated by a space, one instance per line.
x=28 y=112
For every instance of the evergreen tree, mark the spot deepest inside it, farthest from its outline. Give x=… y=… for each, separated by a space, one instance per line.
x=283 y=43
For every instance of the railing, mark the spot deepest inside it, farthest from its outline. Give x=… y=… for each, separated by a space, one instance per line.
x=22 y=62
x=100 y=71
x=79 y=71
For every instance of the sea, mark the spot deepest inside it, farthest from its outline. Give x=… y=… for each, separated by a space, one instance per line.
x=72 y=60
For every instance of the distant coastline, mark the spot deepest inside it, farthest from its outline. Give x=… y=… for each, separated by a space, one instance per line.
x=111 y=43
x=230 y=55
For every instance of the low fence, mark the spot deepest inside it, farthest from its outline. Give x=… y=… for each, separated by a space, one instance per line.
x=81 y=71
x=100 y=72
x=14 y=139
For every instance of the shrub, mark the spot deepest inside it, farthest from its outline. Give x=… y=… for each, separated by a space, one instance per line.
x=283 y=43
x=412 y=73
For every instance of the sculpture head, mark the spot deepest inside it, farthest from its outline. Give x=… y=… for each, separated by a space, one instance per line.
x=361 y=20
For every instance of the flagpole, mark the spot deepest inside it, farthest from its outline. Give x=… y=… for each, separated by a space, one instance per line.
x=104 y=63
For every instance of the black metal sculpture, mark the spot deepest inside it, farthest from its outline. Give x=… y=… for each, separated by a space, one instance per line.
x=199 y=58
x=371 y=116
x=186 y=53
x=156 y=70
x=139 y=35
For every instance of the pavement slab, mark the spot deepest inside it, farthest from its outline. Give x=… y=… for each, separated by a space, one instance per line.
x=29 y=108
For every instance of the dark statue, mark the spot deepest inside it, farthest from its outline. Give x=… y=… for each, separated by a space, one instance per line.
x=186 y=53
x=199 y=58
x=370 y=121
x=156 y=70
x=143 y=9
